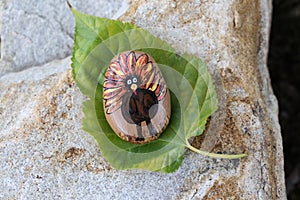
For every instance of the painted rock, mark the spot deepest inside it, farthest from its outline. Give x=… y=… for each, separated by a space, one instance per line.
x=136 y=99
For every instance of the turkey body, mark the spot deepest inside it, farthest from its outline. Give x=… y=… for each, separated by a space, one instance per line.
x=140 y=106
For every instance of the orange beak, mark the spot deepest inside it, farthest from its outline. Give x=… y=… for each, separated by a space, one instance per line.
x=133 y=88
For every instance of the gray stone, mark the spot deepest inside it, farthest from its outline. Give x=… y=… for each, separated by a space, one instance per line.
x=35 y=32
x=45 y=154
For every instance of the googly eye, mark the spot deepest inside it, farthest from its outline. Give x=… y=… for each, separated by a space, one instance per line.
x=134 y=80
x=129 y=82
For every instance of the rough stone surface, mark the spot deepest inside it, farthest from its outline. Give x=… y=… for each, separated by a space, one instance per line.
x=35 y=32
x=43 y=151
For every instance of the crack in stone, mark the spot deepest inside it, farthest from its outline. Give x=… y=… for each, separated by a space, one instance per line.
x=23 y=35
x=59 y=27
x=62 y=29
x=35 y=14
x=55 y=25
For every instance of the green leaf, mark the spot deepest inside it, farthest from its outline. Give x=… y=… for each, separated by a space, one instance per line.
x=193 y=96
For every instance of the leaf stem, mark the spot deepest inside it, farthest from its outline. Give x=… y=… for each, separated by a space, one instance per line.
x=214 y=155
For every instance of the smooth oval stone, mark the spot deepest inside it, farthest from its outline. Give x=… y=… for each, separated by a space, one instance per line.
x=136 y=98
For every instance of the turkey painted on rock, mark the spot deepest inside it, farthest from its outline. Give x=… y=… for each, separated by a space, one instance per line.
x=136 y=98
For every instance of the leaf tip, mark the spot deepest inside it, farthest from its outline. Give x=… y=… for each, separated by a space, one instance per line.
x=69 y=4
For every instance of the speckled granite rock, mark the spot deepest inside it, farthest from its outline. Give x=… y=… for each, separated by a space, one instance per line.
x=44 y=153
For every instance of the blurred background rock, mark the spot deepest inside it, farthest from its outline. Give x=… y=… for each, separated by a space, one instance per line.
x=284 y=66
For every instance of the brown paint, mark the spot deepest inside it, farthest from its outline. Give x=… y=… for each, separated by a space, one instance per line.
x=142 y=117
